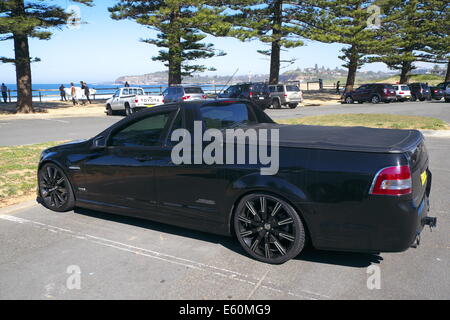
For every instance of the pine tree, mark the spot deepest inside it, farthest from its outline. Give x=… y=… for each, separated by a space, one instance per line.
x=416 y=30
x=182 y=25
x=350 y=22
x=271 y=22
x=437 y=23
x=19 y=21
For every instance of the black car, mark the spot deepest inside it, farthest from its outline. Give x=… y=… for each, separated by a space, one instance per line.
x=371 y=92
x=420 y=91
x=337 y=188
x=438 y=92
x=257 y=92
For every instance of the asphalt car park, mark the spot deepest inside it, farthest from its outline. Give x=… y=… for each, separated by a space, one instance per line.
x=134 y=259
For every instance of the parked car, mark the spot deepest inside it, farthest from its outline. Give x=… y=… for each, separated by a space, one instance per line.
x=183 y=93
x=285 y=95
x=258 y=92
x=438 y=92
x=130 y=100
x=420 y=91
x=372 y=92
x=403 y=92
x=337 y=188
x=447 y=93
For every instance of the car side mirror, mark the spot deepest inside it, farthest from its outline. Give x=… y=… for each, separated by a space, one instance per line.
x=99 y=143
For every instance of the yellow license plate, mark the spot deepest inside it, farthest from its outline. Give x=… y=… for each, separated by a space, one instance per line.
x=150 y=105
x=423 y=177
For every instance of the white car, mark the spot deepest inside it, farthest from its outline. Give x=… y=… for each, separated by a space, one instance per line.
x=403 y=92
x=130 y=100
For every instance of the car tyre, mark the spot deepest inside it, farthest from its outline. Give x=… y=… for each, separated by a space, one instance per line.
x=268 y=228
x=293 y=105
x=109 y=110
x=375 y=99
x=55 y=189
x=276 y=104
x=349 y=100
x=128 y=110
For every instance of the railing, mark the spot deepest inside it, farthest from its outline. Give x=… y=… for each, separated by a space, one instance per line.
x=105 y=93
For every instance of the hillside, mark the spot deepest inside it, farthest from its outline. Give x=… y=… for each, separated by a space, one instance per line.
x=431 y=79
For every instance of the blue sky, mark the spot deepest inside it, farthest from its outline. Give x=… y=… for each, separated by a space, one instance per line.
x=104 y=49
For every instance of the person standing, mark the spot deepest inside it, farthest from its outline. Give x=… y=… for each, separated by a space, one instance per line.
x=62 y=92
x=338 y=86
x=127 y=84
x=86 y=92
x=5 y=93
x=73 y=93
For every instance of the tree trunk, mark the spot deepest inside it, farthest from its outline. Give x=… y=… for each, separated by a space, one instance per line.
x=276 y=47
x=406 y=69
x=447 y=76
x=352 y=68
x=175 y=49
x=23 y=74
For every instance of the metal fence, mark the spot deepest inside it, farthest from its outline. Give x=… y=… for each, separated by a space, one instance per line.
x=105 y=93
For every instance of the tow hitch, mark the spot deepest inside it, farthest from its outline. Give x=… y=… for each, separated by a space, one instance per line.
x=430 y=221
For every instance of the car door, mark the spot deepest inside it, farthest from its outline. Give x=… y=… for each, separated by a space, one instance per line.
x=121 y=175
x=115 y=100
x=361 y=93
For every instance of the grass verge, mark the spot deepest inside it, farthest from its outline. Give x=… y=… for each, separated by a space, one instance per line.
x=390 y=121
x=18 y=166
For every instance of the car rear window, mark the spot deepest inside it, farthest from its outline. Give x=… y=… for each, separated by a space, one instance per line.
x=220 y=116
x=405 y=88
x=193 y=90
x=259 y=87
x=292 y=89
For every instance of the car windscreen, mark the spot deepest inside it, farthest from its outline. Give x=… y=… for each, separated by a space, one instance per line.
x=227 y=115
x=193 y=90
x=292 y=89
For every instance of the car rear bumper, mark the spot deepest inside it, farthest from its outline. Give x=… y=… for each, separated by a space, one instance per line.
x=388 y=98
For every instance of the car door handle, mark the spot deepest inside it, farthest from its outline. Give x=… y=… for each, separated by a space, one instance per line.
x=143 y=158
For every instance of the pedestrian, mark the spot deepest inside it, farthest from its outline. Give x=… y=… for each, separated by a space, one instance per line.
x=5 y=93
x=338 y=86
x=73 y=93
x=127 y=84
x=62 y=92
x=86 y=92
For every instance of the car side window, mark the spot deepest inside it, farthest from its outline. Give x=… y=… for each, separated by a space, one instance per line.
x=219 y=116
x=116 y=94
x=146 y=132
x=280 y=89
x=125 y=92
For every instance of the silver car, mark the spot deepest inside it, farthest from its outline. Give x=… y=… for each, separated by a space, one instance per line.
x=285 y=95
x=183 y=93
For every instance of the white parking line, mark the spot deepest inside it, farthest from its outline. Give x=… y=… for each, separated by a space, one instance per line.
x=209 y=269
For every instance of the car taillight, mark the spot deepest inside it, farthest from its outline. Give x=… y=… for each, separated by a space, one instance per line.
x=394 y=181
x=204 y=96
x=401 y=92
x=186 y=97
x=386 y=91
x=136 y=100
x=251 y=94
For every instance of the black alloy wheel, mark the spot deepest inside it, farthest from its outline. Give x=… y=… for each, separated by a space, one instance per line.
x=55 y=189
x=268 y=228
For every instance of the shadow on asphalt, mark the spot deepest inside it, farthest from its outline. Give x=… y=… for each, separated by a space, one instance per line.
x=346 y=259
